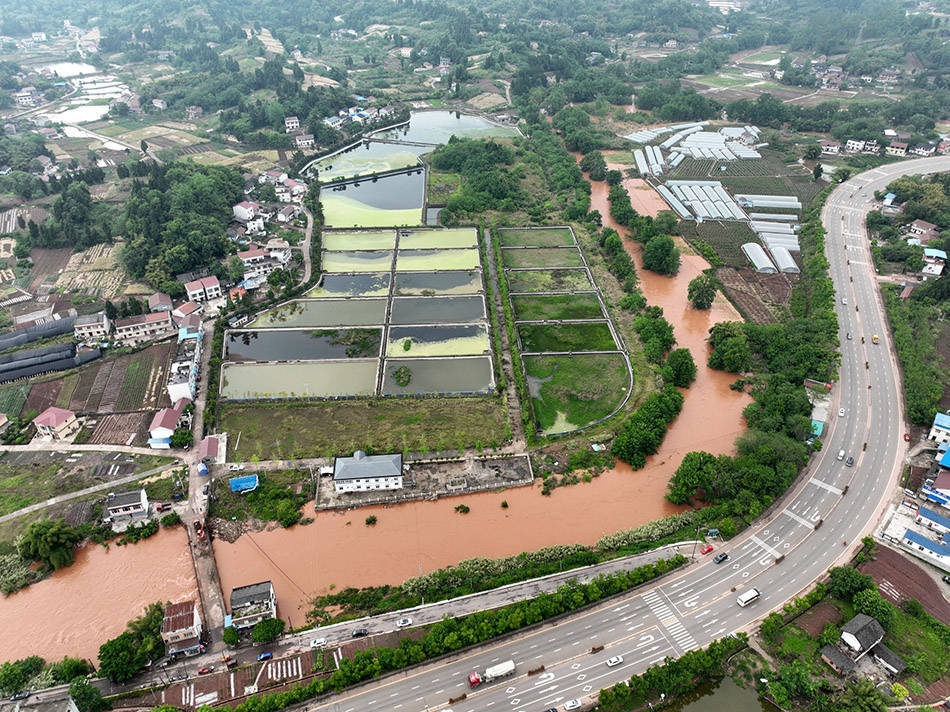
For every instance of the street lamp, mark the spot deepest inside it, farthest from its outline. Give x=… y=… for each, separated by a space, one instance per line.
x=695 y=541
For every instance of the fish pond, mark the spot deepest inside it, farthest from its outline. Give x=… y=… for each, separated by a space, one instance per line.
x=582 y=336
x=323 y=312
x=553 y=280
x=366 y=158
x=351 y=285
x=432 y=283
x=389 y=201
x=437 y=375
x=303 y=344
x=414 y=341
x=354 y=261
x=542 y=257
x=422 y=260
x=556 y=306
x=315 y=379
x=435 y=127
x=382 y=240
x=433 y=239
x=437 y=310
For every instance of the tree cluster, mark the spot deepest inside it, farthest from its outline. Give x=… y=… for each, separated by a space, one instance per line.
x=122 y=657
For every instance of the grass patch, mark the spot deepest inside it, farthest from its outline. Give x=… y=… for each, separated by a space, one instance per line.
x=278 y=498
x=543 y=257
x=540 y=338
x=556 y=280
x=66 y=390
x=13 y=398
x=920 y=646
x=557 y=306
x=547 y=237
x=333 y=428
x=565 y=394
x=442 y=186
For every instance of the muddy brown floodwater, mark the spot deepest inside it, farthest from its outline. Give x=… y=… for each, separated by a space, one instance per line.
x=339 y=550
x=78 y=608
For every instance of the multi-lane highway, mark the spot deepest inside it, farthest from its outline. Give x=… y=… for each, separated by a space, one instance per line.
x=780 y=557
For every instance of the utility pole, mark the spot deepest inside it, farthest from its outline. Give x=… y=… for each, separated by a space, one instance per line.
x=695 y=541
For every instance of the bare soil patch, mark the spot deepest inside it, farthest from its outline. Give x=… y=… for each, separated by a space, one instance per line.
x=814 y=621
x=899 y=578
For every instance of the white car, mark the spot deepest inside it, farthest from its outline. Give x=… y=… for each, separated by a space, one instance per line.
x=614 y=661
x=572 y=705
x=235 y=468
x=404 y=622
x=843 y=300
x=840 y=412
x=318 y=643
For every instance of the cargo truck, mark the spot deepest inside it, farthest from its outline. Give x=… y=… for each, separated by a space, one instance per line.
x=495 y=672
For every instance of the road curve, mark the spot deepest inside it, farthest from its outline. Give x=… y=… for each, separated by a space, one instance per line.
x=691 y=608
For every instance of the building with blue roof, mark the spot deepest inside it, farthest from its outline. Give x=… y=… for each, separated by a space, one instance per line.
x=944 y=460
x=933 y=520
x=935 y=552
x=940 y=430
x=935 y=254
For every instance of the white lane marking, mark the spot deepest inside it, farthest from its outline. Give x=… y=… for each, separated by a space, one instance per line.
x=765 y=546
x=825 y=485
x=800 y=520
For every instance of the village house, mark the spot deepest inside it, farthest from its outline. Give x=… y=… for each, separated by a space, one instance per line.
x=362 y=472
x=138 y=329
x=304 y=141
x=163 y=426
x=923 y=149
x=897 y=148
x=291 y=124
x=193 y=113
x=159 y=302
x=288 y=213
x=245 y=210
x=184 y=371
x=208 y=449
x=186 y=309
x=203 y=289
x=159 y=104
x=122 y=506
x=935 y=551
x=92 y=327
x=278 y=249
x=830 y=147
x=854 y=145
x=273 y=177
x=872 y=147
x=919 y=227
x=181 y=629
x=251 y=604
x=56 y=424
x=940 y=430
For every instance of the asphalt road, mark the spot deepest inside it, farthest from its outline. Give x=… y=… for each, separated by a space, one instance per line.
x=693 y=608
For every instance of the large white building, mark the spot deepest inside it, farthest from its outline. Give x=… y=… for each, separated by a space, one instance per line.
x=365 y=473
x=940 y=430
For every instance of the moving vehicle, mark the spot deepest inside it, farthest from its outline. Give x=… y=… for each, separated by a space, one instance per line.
x=748 y=597
x=945 y=578
x=574 y=704
x=840 y=455
x=850 y=462
x=404 y=622
x=206 y=670
x=874 y=339
x=706 y=549
x=359 y=633
x=844 y=300
x=264 y=656
x=318 y=643
x=21 y=695
x=492 y=673
x=614 y=661
x=840 y=412
x=849 y=336
x=720 y=557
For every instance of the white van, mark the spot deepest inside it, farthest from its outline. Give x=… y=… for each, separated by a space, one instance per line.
x=746 y=598
x=840 y=454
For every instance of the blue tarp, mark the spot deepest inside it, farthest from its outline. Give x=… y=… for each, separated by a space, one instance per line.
x=202 y=469
x=243 y=484
x=817 y=427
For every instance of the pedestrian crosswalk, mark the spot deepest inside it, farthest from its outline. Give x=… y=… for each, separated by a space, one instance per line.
x=284 y=669
x=669 y=621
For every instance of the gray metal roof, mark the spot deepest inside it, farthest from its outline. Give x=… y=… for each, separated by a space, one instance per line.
x=882 y=652
x=124 y=499
x=252 y=593
x=362 y=466
x=866 y=629
x=837 y=659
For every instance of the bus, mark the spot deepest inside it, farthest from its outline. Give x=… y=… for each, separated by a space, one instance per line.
x=746 y=598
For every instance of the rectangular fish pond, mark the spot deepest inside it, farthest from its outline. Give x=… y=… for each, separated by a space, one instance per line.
x=437 y=375
x=318 y=379
x=415 y=341
x=439 y=126
x=370 y=284
x=366 y=158
x=302 y=344
x=553 y=280
x=382 y=240
x=391 y=201
x=541 y=237
x=323 y=312
x=542 y=257
x=366 y=261
x=433 y=239
x=422 y=260
x=432 y=283
x=436 y=310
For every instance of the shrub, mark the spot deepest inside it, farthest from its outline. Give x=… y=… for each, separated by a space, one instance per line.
x=371 y=520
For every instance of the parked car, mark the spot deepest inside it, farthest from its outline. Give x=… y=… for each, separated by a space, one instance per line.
x=404 y=622
x=206 y=670
x=614 y=661
x=21 y=695
x=945 y=578
x=720 y=557
x=235 y=468
x=264 y=656
x=162 y=506
x=907 y=437
x=204 y=490
x=840 y=412
x=706 y=549
x=574 y=704
x=318 y=643
x=360 y=633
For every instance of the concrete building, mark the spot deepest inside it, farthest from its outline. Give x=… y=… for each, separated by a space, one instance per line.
x=163 y=426
x=203 y=289
x=304 y=141
x=362 y=472
x=184 y=371
x=897 y=148
x=159 y=302
x=940 y=430
x=144 y=327
x=92 y=327
x=245 y=210
x=278 y=250
x=830 y=148
x=854 y=145
x=121 y=506
x=56 y=423
x=251 y=604
x=291 y=124
x=933 y=520
x=181 y=629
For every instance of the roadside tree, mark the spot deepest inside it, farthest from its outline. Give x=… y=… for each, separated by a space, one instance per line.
x=87 y=697
x=701 y=291
x=267 y=630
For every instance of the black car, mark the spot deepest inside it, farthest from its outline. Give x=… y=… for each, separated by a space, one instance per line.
x=849 y=462
x=360 y=633
x=22 y=695
x=720 y=557
x=945 y=578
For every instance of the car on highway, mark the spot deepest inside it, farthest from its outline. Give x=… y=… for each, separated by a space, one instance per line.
x=206 y=670
x=945 y=578
x=849 y=336
x=235 y=468
x=844 y=300
x=574 y=704
x=404 y=622
x=840 y=412
x=318 y=643
x=21 y=695
x=264 y=656
x=614 y=661
x=720 y=557
x=849 y=462
x=359 y=633
x=706 y=549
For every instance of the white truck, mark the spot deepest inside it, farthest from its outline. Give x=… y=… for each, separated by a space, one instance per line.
x=495 y=672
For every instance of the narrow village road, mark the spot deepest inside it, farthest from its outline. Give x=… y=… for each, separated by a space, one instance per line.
x=307 y=261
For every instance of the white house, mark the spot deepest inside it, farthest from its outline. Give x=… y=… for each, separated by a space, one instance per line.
x=251 y=604
x=304 y=141
x=291 y=124
x=126 y=505
x=854 y=145
x=92 y=327
x=181 y=628
x=278 y=249
x=203 y=289
x=183 y=374
x=363 y=473
x=830 y=147
x=245 y=210
x=940 y=430
x=934 y=551
x=288 y=213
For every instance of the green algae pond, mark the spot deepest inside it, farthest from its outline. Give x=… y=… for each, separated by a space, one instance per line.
x=315 y=379
x=433 y=283
x=437 y=375
x=436 y=310
x=323 y=312
x=461 y=340
x=381 y=240
x=435 y=127
x=426 y=260
x=351 y=285
x=362 y=261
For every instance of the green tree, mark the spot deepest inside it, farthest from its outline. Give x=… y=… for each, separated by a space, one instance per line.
x=701 y=291
x=182 y=438
x=682 y=367
x=68 y=669
x=235 y=268
x=119 y=658
x=660 y=255
x=817 y=171
x=870 y=602
x=861 y=696
x=812 y=152
x=844 y=582
x=87 y=697
x=231 y=636
x=12 y=677
x=267 y=630
x=49 y=541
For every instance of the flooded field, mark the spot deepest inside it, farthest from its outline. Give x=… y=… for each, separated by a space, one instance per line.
x=242 y=381
x=430 y=375
x=366 y=158
x=384 y=240
x=439 y=126
x=543 y=237
x=351 y=285
x=437 y=310
x=368 y=261
x=438 y=340
x=554 y=280
x=407 y=260
x=515 y=257
x=390 y=201
x=323 y=312
x=296 y=345
x=431 y=283
x=416 y=240
x=73 y=613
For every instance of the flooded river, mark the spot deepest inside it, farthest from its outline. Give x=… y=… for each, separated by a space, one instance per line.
x=77 y=609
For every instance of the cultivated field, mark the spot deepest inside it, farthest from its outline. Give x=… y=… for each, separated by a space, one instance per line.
x=725 y=237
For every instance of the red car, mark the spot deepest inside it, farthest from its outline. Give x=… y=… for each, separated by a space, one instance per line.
x=706 y=549
x=205 y=670
x=907 y=437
